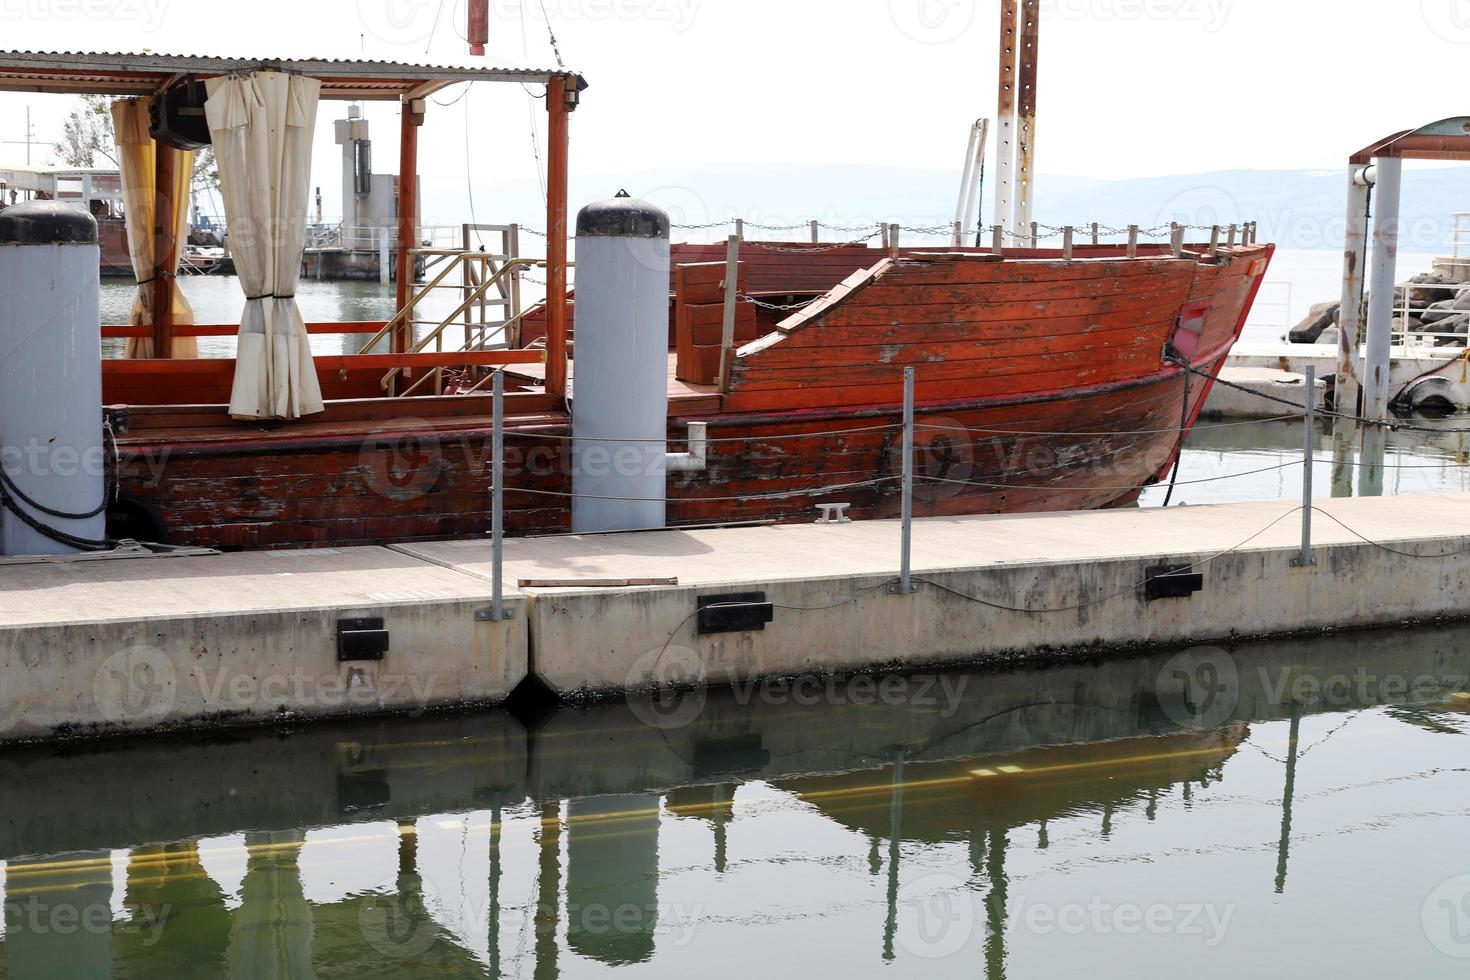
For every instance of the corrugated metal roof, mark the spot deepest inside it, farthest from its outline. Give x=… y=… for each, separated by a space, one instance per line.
x=135 y=72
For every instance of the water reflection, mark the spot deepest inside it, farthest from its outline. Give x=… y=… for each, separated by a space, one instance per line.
x=1242 y=462
x=1211 y=808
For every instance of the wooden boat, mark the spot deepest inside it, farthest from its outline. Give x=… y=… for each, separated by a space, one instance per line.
x=1042 y=384
x=1046 y=379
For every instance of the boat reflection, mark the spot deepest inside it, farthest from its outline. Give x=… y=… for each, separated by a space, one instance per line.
x=485 y=846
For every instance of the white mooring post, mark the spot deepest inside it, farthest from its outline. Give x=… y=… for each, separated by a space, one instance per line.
x=1382 y=288
x=905 y=579
x=1305 y=560
x=816 y=232
x=998 y=240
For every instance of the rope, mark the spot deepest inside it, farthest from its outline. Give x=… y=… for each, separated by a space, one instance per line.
x=12 y=497
x=1182 y=483
x=1179 y=449
x=1106 y=598
x=1392 y=426
x=1383 y=547
x=784 y=495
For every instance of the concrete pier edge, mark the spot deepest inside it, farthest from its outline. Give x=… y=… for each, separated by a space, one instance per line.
x=99 y=649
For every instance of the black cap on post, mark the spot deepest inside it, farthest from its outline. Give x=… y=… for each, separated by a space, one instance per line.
x=46 y=223
x=623 y=217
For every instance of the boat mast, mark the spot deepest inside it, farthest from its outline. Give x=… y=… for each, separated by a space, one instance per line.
x=1020 y=42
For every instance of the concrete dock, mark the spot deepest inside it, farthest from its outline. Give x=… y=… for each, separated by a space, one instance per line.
x=99 y=647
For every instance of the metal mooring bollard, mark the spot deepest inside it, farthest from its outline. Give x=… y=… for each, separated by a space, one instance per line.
x=905 y=584
x=1305 y=560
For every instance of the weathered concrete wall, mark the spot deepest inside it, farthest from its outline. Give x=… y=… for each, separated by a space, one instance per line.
x=112 y=677
x=592 y=643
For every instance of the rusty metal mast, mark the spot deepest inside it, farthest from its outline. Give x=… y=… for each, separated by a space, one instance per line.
x=1020 y=41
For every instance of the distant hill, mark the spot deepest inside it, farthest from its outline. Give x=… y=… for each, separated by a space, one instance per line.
x=1296 y=209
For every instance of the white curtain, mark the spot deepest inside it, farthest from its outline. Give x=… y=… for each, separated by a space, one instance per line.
x=262 y=126
x=137 y=154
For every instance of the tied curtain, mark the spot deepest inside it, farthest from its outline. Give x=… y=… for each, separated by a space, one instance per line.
x=137 y=156
x=262 y=125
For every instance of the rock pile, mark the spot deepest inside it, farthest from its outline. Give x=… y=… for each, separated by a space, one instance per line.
x=1436 y=304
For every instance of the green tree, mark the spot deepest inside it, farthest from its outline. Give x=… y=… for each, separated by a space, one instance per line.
x=86 y=136
x=87 y=141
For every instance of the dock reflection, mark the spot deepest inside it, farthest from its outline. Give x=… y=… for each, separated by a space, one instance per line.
x=485 y=847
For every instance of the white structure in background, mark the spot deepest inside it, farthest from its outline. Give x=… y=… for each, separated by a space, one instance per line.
x=369 y=200
x=77 y=186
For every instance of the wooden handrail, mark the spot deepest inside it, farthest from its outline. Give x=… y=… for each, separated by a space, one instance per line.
x=473 y=297
x=329 y=362
x=113 y=331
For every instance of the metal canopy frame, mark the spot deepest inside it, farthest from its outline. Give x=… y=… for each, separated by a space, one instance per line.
x=1448 y=139
x=1380 y=166
x=126 y=73
x=147 y=73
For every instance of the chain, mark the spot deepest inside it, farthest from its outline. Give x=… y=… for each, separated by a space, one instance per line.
x=779 y=307
x=810 y=249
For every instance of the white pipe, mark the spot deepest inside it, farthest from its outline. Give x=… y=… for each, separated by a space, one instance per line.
x=978 y=171
x=959 y=208
x=1383 y=286
x=696 y=459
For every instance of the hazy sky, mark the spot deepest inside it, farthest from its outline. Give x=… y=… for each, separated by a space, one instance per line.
x=1128 y=87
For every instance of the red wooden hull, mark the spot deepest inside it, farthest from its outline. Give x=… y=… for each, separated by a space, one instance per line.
x=1042 y=385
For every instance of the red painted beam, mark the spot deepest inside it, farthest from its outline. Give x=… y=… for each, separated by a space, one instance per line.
x=559 y=140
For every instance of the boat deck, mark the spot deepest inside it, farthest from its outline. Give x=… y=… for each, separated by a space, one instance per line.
x=683 y=396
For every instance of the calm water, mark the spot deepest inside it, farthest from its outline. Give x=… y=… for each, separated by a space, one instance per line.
x=1233 y=463
x=1294 y=809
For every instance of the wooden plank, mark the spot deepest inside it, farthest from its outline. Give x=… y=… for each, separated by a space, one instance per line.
x=592 y=583
x=122 y=331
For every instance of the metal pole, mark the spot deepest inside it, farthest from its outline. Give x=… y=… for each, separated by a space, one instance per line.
x=1007 y=120
x=905 y=579
x=816 y=232
x=972 y=198
x=1133 y=241
x=1305 y=561
x=1352 y=313
x=497 y=503
x=960 y=213
x=1381 y=297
